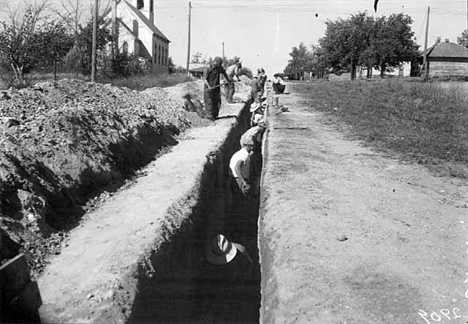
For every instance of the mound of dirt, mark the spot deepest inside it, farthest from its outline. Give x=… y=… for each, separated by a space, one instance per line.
x=62 y=144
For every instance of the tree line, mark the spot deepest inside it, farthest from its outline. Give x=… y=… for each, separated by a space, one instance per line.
x=382 y=43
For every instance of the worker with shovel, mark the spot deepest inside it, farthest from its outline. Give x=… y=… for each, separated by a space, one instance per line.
x=212 y=91
x=232 y=71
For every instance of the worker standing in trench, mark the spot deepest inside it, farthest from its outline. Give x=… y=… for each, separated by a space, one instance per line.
x=262 y=78
x=232 y=71
x=239 y=185
x=212 y=91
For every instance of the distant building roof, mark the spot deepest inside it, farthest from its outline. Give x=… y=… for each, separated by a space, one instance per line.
x=198 y=67
x=447 y=50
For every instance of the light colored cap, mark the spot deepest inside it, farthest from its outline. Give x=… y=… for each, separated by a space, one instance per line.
x=254 y=106
x=221 y=251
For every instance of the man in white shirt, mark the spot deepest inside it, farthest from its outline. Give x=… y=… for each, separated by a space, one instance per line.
x=240 y=166
x=278 y=84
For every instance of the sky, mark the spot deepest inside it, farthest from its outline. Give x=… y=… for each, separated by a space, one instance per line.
x=263 y=32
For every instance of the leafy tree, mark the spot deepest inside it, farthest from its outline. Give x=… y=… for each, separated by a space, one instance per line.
x=197 y=58
x=55 y=42
x=300 y=61
x=346 y=41
x=362 y=40
x=18 y=40
x=171 y=66
x=463 y=39
x=394 y=44
x=318 y=63
x=85 y=42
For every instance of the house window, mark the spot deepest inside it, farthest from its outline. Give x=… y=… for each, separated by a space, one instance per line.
x=140 y=4
x=125 y=47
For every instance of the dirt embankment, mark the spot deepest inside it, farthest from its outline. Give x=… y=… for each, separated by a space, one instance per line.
x=61 y=144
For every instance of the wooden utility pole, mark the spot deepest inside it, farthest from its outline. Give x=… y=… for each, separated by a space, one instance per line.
x=223 y=53
x=188 y=43
x=115 y=43
x=94 y=51
x=425 y=63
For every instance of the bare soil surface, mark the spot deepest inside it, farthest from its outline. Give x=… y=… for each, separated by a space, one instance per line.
x=105 y=274
x=348 y=235
x=66 y=147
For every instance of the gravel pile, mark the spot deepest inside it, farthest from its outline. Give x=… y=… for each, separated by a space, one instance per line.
x=61 y=144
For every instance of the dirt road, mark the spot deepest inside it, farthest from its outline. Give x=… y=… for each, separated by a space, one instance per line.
x=348 y=235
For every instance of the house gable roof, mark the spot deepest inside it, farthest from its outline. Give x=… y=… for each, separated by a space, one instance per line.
x=148 y=23
x=143 y=18
x=448 y=50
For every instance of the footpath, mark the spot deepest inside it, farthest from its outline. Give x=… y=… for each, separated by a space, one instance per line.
x=348 y=235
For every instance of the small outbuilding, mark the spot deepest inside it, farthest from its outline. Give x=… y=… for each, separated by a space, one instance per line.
x=198 y=69
x=447 y=60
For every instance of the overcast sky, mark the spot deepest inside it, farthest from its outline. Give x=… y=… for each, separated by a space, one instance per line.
x=262 y=32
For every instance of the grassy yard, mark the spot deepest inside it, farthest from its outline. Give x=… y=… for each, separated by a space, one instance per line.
x=427 y=122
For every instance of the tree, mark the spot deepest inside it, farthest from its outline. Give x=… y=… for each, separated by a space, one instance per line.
x=55 y=42
x=362 y=40
x=171 y=66
x=85 y=42
x=18 y=39
x=463 y=39
x=346 y=41
x=318 y=63
x=394 y=43
x=300 y=61
x=197 y=58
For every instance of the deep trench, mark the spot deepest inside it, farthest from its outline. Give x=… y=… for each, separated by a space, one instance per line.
x=184 y=287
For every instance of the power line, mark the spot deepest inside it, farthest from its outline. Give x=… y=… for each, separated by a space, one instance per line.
x=311 y=9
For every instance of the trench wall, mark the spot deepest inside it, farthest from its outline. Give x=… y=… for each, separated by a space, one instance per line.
x=177 y=291
x=155 y=282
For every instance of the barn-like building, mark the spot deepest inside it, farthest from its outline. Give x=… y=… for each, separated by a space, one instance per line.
x=137 y=34
x=447 y=60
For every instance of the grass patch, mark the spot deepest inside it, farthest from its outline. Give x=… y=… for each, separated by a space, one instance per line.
x=424 y=121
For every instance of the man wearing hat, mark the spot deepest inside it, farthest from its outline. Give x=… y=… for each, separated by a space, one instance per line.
x=221 y=252
x=240 y=168
x=256 y=161
x=229 y=266
x=278 y=84
x=212 y=92
x=258 y=111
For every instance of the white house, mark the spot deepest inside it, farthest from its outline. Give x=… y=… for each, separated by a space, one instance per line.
x=137 y=34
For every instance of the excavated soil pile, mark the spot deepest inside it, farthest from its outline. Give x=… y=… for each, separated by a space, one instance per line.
x=62 y=144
